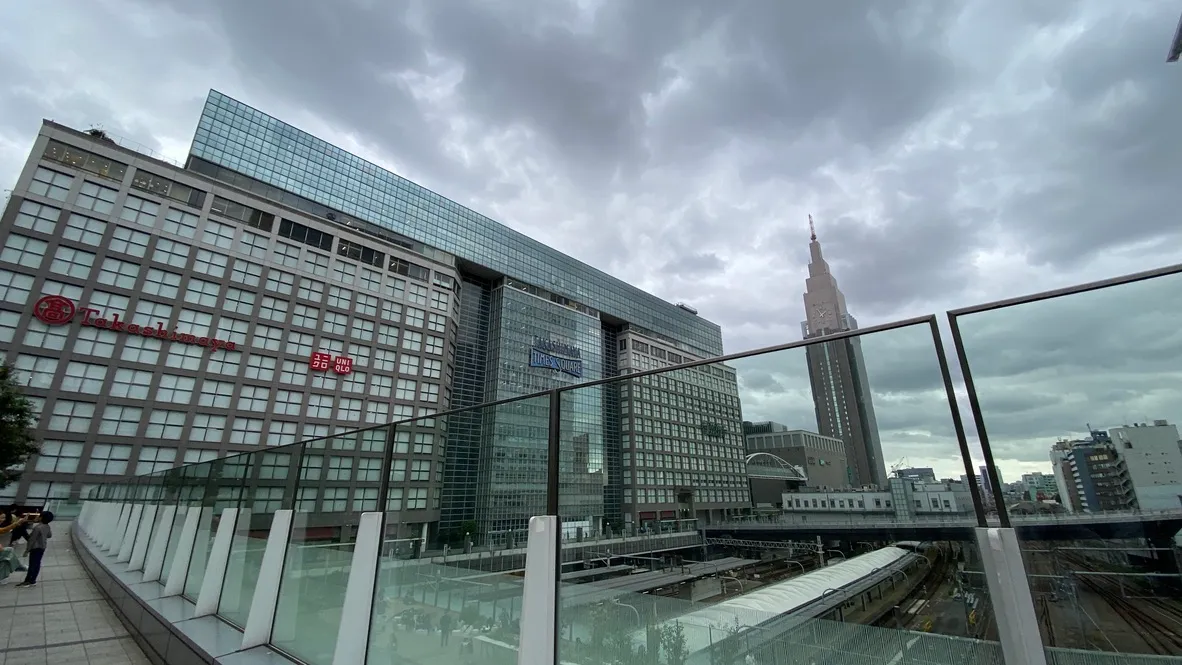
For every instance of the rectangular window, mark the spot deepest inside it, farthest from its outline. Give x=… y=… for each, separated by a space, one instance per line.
x=339 y=297
x=155 y=458
x=407 y=269
x=408 y=365
x=254 y=398
x=289 y=402
x=388 y=335
x=416 y=294
x=260 y=368
x=141 y=350
x=207 y=428
x=412 y=341
x=349 y=409
x=185 y=356
x=129 y=241
x=377 y=413
x=108 y=459
x=384 y=360
x=305 y=234
x=50 y=184
x=415 y=317
x=305 y=316
x=287 y=254
x=175 y=389
x=70 y=416
x=280 y=282
x=84 y=378
x=198 y=456
x=362 y=330
x=175 y=254
x=370 y=279
x=216 y=394
x=15 y=287
x=239 y=301
x=311 y=289
x=429 y=392
x=359 y=252
x=72 y=262
x=131 y=383
x=282 y=433
x=434 y=345
x=406 y=390
x=218 y=235
x=85 y=160
x=253 y=244
x=440 y=301
x=181 y=223
x=437 y=323
x=210 y=263
x=242 y=213
x=167 y=425
x=247 y=273
x=37 y=217
x=161 y=186
x=247 y=431
x=139 y=211
x=294 y=373
x=317 y=264
x=161 y=283
x=85 y=230
x=121 y=420
x=335 y=323
x=59 y=456
x=432 y=369
x=299 y=344
x=36 y=371
x=320 y=406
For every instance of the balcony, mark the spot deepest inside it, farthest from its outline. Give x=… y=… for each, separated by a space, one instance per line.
x=316 y=553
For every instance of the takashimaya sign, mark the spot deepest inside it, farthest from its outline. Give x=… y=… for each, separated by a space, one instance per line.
x=60 y=311
x=556 y=356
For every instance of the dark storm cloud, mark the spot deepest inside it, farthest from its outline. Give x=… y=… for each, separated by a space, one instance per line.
x=951 y=152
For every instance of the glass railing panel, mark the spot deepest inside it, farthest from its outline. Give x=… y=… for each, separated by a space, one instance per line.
x=188 y=484
x=336 y=480
x=801 y=505
x=224 y=489
x=270 y=476
x=1079 y=403
x=453 y=595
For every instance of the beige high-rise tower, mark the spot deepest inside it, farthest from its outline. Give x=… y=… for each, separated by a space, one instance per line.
x=837 y=372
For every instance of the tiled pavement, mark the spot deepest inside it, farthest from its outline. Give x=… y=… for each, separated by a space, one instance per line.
x=64 y=619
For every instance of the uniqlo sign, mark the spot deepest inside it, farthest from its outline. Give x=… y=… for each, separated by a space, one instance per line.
x=322 y=362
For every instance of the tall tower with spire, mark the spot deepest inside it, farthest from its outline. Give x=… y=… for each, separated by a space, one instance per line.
x=837 y=372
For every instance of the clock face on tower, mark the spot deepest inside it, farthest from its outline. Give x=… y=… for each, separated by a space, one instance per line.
x=821 y=311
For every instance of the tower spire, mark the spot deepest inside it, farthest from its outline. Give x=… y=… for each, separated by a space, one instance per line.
x=812 y=230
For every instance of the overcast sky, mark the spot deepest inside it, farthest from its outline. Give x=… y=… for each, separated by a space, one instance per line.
x=951 y=152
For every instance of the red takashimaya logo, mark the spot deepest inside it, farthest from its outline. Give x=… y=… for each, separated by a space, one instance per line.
x=60 y=310
x=54 y=310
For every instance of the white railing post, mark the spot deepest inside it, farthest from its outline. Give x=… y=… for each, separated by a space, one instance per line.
x=1009 y=593
x=184 y=553
x=158 y=547
x=143 y=534
x=215 y=567
x=539 y=597
x=357 y=613
x=263 y=606
x=133 y=525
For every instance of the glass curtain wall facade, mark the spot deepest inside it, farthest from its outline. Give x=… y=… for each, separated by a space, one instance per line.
x=235 y=137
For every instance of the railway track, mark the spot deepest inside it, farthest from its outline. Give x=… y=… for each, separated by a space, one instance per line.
x=1043 y=610
x=1156 y=621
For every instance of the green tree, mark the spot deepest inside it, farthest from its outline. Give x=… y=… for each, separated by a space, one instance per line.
x=674 y=643
x=17 y=420
x=726 y=650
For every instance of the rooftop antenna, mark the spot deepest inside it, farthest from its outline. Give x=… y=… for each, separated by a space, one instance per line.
x=812 y=230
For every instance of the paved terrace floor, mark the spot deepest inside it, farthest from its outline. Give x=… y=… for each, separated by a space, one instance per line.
x=64 y=619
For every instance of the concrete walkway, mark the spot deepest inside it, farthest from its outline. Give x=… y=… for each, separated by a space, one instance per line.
x=64 y=619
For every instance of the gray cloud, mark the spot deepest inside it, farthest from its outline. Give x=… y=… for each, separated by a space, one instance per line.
x=951 y=152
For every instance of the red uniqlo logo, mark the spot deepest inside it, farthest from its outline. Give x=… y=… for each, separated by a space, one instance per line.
x=342 y=365
x=320 y=361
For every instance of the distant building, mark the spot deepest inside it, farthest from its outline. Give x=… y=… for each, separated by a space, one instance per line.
x=1093 y=474
x=1039 y=486
x=837 y=373
x=823 y=458
x=922 y=473
x=1153 y=459
x=904 y=499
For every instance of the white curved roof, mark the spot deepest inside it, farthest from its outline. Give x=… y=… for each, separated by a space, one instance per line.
x=782 y=598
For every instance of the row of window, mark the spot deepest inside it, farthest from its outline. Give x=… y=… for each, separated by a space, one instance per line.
x=658 y=496
x=691 y=462
x=77 y=417
x=94 y=197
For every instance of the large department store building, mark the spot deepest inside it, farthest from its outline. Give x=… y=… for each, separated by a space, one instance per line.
x=279 y=289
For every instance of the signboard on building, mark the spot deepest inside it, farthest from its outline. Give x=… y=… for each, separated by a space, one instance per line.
x=55 y=310
x=557 y=356
x=322 y=362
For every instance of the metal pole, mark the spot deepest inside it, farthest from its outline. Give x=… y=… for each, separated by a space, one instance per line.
x=957 y=423
x=553 y=472
x=1003 y=516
